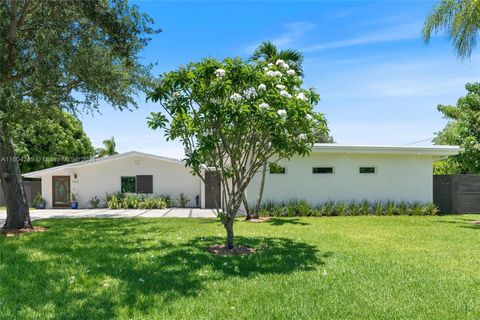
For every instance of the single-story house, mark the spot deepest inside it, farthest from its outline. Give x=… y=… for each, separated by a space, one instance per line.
x=332 y=172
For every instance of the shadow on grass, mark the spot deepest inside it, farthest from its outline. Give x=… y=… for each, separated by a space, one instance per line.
x=468 y=223
x=284 y=221
x=136 y=258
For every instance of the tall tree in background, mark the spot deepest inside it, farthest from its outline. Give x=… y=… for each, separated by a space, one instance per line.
x=50 y=140
x=269 y=53
x=463 y=129
x=70 y=54
x=109 y=148
x=460 y=20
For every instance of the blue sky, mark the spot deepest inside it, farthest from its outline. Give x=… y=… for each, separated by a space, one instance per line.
x=379 y=83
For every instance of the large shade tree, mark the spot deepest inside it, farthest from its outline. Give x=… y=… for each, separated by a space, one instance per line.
x=459 y=20
x=231 y=117
x=50 y=140
x=71 y=54
x=463 y=129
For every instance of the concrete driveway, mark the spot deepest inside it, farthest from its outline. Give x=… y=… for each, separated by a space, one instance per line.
x=122 y=213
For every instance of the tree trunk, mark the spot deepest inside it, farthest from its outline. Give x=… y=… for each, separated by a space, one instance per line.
x=247 y=208
x=260 y=191
x=18 y=215
x=229 y=227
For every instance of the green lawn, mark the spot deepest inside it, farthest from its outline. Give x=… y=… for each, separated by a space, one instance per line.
x=309 y=268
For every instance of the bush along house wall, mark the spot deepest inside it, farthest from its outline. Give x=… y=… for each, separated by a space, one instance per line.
x=299 y=208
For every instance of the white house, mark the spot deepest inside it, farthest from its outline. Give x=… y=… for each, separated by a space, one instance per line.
x=331 y=172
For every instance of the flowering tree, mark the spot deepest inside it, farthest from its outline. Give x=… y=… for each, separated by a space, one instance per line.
x=231 y=117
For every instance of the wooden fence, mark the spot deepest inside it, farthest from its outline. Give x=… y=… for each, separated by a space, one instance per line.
x=31 y=189
x=457 y=193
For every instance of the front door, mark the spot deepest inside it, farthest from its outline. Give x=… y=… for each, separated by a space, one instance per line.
x=61 y=191
x=212 y=190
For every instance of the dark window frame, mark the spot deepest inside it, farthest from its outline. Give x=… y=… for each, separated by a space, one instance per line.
x=326 y=170
x=367 y=170
x=277 y=169
x=122 y=190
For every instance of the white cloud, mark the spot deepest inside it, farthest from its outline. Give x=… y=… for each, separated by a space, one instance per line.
x=387 y=34
x=293 y=32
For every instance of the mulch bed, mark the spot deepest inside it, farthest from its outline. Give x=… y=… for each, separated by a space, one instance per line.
x=221 y=250
x=18 y=232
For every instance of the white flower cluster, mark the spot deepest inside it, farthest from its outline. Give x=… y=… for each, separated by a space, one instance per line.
x=250 y=93
x=285 y=94
x=220 y=73
x=264 y=105
x=262 y=87
x=282 y=113
x=215 y=100
x=302 y=136
x=272 y=73
x=280 y=86
x=282 y=64
x=176 y=94
x=236 y=97
x=291 y=72
x=301 y=96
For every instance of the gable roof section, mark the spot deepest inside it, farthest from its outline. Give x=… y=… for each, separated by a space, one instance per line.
x=94 y=161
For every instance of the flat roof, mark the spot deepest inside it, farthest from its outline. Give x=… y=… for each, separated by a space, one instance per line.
x=386 y=149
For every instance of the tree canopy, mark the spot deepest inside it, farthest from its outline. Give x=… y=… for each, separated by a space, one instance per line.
x=463 y=129
x=232 y=116
x=67 y=54
x=56 y=139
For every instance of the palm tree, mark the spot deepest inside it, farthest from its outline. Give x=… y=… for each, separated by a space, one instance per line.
x=460 y=20
x=109 y=148
x=268 y=52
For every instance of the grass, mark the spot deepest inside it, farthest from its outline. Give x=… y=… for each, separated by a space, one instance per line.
x=306 y=268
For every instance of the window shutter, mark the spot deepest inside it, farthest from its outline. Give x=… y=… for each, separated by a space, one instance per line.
x=144 y=184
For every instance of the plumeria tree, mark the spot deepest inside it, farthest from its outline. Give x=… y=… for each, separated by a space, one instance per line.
x=231 y=117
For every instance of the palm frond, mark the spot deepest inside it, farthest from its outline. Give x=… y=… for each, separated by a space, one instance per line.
x=460 y=20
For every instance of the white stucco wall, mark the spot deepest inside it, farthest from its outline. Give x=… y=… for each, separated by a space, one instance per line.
x=398 y=178
x=169 y=178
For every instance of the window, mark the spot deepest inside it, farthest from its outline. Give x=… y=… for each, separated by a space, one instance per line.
x=368 y=170
x=322 y=170
x=128 y=185
x=276 y=169
x=144 y=184
x=138 y=184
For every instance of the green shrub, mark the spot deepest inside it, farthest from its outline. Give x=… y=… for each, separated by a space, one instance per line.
x=341 y=209
x=38 y=201
x=182 y=200
x=378 y=208
x=302 y=208
x=94 y=202
x=390 y=208
x=135 y=201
